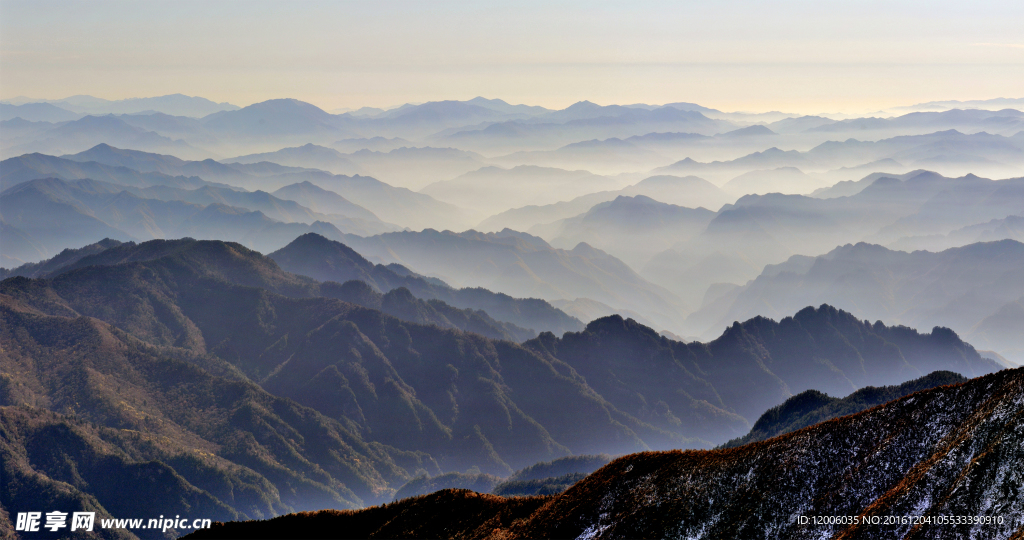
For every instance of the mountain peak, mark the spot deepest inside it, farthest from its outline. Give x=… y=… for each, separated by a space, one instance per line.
x=586 y=250
x=750 y=131
x=314 y=255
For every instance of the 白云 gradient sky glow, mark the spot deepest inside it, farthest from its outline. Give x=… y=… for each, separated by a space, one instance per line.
x=792 y=55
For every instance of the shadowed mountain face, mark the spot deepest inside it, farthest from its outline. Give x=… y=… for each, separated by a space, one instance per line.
x=428 y=516
x=195 y=310
x=948 y=451
x=971 y=439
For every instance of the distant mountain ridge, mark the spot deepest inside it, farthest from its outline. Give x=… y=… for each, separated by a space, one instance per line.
x=758 y=230
x=55 y=213
x=1006 y=120
x=326 y=260
x=175 y=196
x=34 y=166
x=959 y=286
x=990 y=104
x=85 y=132
x=37 y=112
x=151 y=162
x=616 y=225
x=308 y=155
x=959 y=153
x=404 y=165
x=359 y=192
x=523 y=265
x=495 y=189
x=580 y=122
x=689 y=191
x=173 y=104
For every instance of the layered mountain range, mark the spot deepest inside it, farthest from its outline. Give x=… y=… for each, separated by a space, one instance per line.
x=524 y=265
x=975 y=289
x=206 y=358
x=248 y=312
x=325 y=260
x=768 y=229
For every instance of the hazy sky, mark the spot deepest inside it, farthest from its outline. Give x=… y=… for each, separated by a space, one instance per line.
x=793 y=55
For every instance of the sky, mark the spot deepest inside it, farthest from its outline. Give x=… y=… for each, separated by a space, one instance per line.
x=735 y=55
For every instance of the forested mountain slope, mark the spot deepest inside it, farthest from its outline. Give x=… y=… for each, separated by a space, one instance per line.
x=950 y=451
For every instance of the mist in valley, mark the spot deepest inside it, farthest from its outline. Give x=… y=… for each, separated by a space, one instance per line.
x=293 y=300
